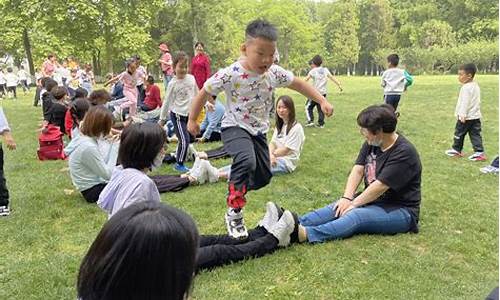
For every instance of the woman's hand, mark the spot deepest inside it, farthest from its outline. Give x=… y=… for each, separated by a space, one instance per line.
x=273 y=160
x=343 y=206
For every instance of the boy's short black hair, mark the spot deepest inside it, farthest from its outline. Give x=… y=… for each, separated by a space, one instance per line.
x=140 y=144
x=9 y=69
x=179 y=56
x=59 y=92
x=261 y=29
x=317 y=60
x=81 y=93
x=378 y=117
x=50 y=84
x=393 y=59
x=469 y=69
x=150 y=79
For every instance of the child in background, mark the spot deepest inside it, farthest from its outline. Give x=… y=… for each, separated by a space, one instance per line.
x=73 y=82
x=23 y=78
x=57 y=110
x=180 y=92
x=11 y=81
x=248 y=85
x=140 y=76
x=153 y=98
x=393 y=82
x=65 y=73
x=11 y=145
x=320 y=76
x=3 y=86
x=87 y=78
x=46 y=96
x=211 y=126
x=468 y=115
x=141 y=150
x=128 y=79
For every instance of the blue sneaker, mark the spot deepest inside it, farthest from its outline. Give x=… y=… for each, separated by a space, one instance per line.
x=181 y=168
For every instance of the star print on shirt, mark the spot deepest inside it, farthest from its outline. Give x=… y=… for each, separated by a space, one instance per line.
x=238 y=109
x=234 y=93
x=244 y=76
x=270 y=88
x=236 y=69
x=254 y=85
x=245 y=99
x=282 y=78
x=257 y=97
x=225 y=78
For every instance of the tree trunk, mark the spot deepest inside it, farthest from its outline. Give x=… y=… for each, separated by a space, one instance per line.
x=348 y=70
x=27 y=49
x=371 y=69
x=366 y=69
x=108 y=39
x=354 y=70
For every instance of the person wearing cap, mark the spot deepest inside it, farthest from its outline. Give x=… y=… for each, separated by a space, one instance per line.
x=166 y=64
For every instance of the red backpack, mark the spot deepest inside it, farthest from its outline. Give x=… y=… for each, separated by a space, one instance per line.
x=51 y=143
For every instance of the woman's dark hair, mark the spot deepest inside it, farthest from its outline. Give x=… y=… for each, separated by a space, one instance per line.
x=97 y=122
x=199 y=43
x=378 y=117
x=145 y=251
x=150 y=79
x=49 y=84
x=140 y=144
x=288 y=102
x=99 y=97
x=180 y=57
x=78 y=109
x=58 y=92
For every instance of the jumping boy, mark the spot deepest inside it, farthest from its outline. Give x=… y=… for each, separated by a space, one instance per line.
x=468 y=114
x=320 y=76
x=248 y=85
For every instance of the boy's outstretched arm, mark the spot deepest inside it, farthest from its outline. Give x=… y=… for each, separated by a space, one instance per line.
x=196 y=106
x=336 y=81
x=311 y=93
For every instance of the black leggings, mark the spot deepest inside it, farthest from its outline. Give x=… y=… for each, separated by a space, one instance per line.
x=219 y=250
x=92 y=194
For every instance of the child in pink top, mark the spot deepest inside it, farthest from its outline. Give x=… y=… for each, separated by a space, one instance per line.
x=129 y=81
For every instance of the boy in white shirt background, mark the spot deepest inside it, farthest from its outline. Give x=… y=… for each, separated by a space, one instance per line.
x=468 y=115
x=23 y=79
x=320 y=76
x=11 y=81
x=393 y=82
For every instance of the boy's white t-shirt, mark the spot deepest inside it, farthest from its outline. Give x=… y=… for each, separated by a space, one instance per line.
x=11 y=79
x=22 y=74
x=248 y=95
x=320 y=78
x=2 y=78
x=469 y=100
x=294 y=141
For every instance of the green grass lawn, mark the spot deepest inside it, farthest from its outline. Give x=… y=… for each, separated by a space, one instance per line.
x=455 y=255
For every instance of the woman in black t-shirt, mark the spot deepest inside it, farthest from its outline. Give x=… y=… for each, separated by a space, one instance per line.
x=390 y=168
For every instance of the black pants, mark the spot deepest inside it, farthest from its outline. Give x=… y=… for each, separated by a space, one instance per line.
x=183 y=135
x=218 y=250
x=473 y=128
x=12 y=89
x=217 y=153
x=214 y=136
x=92 y=195
x=251 y=167
x=4 y=192
x=310 y=105
x=37 y=95
x=392 y=100
x=141 y=95
x=3 y=88
x=170 y=183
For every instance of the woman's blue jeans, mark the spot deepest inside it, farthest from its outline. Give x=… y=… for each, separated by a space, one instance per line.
x=322 y=225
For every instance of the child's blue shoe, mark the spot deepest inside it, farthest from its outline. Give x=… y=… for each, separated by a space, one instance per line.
x=181 y=168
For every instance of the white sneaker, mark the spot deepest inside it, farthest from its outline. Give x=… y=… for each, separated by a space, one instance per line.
x=192 y=153
x=453 y=153
x=4 y=211
x=236 y=224
x=489 y=169
x=198 y=171
x=272 y=216
x=212 y=172
x=283 y=229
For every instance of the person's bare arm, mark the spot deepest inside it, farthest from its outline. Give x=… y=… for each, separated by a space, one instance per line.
x=311 y=93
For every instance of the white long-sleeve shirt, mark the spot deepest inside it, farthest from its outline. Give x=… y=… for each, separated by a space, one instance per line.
x=469 y=100
x=180 y=94
x=393 y=81
x=4 y=125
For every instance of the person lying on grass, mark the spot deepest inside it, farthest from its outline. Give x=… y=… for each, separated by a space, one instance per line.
x=390 y=168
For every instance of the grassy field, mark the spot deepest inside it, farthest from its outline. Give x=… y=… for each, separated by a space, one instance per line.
x=455 y=255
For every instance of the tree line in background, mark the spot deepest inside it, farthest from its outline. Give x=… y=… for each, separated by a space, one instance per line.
x=353 y=36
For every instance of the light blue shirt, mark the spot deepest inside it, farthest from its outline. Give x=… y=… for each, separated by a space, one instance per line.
x=212 y=121
x=88 y=167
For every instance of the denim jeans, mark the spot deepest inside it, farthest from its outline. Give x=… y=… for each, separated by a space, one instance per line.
x=322 y=225
x=166 y=80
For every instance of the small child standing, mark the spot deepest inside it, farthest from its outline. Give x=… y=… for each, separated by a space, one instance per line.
x=320 y=76
x=23 y=78
x=393 y=81
x=248 y=85
x=468 y=115
x=3 y=86
x=128 y=79
x=180 y=92
x=11 y=145
x=11 y=81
